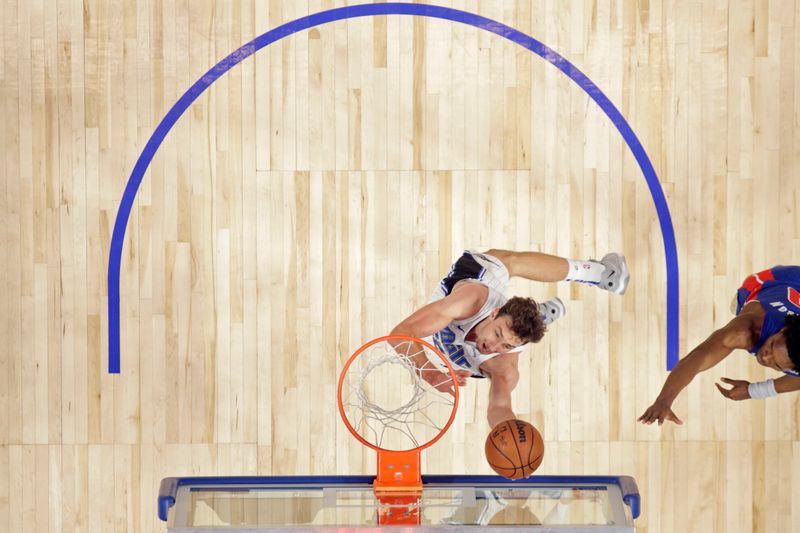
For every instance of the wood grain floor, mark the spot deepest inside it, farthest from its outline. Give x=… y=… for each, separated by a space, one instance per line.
x=314 y=196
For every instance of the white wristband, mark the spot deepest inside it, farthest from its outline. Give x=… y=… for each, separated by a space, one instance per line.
x=762 y=389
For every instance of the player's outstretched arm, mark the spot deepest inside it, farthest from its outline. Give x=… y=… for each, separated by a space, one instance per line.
x=503 y=373
x=787 y=384
x=736 y=334
x=500 y=397
x=461 y=303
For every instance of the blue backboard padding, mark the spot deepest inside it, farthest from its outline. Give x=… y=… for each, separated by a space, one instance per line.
x=166 y=496
x=630 y=494
x=169 y=486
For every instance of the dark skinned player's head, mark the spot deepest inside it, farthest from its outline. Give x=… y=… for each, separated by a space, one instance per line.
x=781 y=351
x=792 y=334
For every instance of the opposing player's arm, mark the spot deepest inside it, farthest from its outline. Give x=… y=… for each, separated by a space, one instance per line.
x=707 y=354
x=736 y=334
x=787 y=384
x=503 y=371
x=740 y=389
x=462 y=303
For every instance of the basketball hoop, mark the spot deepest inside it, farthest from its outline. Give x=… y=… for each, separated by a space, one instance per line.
x=388 y=405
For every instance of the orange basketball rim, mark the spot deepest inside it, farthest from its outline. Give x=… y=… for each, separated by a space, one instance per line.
x=399 y=480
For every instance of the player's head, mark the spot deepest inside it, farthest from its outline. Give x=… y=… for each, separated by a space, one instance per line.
x=782 y=350
x=518 y=322
x=792 y=333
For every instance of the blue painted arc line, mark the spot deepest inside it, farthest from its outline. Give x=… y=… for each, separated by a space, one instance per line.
x=342 y=13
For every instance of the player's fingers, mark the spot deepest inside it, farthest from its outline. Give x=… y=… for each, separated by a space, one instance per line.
x=462 y=376
x=733 y=382
x=675 y=419
x=724 y=392
x=652 y=416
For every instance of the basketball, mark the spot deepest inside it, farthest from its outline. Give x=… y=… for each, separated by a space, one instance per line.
x=514 y=449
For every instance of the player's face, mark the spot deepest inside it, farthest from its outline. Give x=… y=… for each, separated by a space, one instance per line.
x=774 y=353
x=496 y=335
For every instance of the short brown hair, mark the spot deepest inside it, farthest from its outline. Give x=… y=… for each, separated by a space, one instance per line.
x=527 y=322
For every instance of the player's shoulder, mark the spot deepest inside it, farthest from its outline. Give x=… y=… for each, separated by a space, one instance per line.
x=785 y=272
x=752 y=314
x=743 y=330
x=467 y=291
x=463 y=301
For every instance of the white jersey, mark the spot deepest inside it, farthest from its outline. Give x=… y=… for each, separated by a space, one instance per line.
x=451 y=341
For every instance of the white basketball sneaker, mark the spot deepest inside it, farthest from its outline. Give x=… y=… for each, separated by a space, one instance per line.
x=615 y=277
x=552 y=310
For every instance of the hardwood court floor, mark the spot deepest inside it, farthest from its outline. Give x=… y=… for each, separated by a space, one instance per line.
x=315 y=194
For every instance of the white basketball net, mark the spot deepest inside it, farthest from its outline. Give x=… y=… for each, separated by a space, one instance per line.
x=387 y=401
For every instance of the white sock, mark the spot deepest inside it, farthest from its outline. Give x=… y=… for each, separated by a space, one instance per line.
x=585 y=271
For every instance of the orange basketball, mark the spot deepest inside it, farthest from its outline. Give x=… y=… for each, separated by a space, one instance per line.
x=514 y=449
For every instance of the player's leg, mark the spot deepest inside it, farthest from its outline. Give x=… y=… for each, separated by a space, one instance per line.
x=535 y=266
x=610 y=273
x=538 y=267
x=494 y=273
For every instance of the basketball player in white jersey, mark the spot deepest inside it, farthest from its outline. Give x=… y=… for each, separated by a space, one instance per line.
x=471 y=321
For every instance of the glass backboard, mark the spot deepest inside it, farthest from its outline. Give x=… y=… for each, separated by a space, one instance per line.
x=340 y=503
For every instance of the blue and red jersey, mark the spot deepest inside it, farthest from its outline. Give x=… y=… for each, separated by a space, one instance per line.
x=777 y=289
